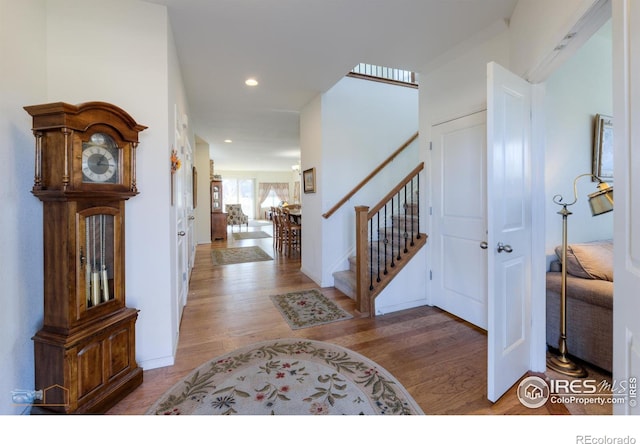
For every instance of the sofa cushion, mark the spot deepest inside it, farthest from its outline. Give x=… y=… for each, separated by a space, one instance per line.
x=590 y=260
x=595 y=292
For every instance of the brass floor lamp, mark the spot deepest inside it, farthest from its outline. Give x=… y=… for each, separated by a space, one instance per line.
x=600 y=202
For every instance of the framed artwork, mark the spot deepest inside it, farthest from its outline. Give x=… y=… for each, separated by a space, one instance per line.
x=603 y=148
x=194 y=179
x=309 y=180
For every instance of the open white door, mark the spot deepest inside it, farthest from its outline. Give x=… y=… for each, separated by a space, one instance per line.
x=626 y=100
x=509 y=229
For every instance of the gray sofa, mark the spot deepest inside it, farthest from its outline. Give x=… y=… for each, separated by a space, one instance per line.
x=589 y=302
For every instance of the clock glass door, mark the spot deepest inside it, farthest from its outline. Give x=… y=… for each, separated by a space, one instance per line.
x=98 y=262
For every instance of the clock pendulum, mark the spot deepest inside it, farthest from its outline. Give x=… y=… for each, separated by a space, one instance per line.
x=95 y=274
x=103 y=272
x=84 y=261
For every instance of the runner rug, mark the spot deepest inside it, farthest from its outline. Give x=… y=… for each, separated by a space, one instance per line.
x=238 y=255
x=302 y=309
x=250 y=235
x=288 y=377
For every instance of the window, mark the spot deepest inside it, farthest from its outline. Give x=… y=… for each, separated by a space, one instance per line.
x=240 y=191
x=272 y=200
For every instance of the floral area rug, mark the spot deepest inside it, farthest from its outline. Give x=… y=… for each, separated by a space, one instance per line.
x=308 y=308
x=238 y=255
x=288 y=377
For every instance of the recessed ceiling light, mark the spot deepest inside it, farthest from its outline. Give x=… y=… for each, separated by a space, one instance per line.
x=251 y=82
x=228 y=140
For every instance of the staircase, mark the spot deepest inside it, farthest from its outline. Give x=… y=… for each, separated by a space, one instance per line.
x=387 y=237
x=403 y=233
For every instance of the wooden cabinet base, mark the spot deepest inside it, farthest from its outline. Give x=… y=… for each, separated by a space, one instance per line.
x=89 y=369
x=218 y=226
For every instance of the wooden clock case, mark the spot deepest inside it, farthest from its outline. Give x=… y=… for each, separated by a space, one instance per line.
x=85 y=351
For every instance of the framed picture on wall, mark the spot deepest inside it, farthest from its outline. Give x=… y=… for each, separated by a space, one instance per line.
x=309 y=180
x=603 y=148
x=194 y=179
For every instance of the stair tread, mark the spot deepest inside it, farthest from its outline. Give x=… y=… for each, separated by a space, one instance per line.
x=345 y=274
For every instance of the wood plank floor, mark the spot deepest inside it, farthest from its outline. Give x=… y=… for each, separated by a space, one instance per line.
x=440 y=359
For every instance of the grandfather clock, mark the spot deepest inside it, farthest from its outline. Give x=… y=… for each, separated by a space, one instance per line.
x=85 y=171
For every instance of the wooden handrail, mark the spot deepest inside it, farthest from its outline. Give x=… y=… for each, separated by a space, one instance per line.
x=357 y=188
x=383 y=80
x=397 y=188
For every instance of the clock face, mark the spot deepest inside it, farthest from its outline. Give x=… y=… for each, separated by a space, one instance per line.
x=100 y=159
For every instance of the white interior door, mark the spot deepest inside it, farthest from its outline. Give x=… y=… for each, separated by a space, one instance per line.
x=183 y=262
x=190 y=197
x=626 y=98
x=182 y=225
x=458 y=171
x=509 y=216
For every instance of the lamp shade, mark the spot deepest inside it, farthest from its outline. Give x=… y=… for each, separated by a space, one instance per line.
x=602 y=200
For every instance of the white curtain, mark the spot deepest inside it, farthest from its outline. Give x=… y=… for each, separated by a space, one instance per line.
x=280 y=188
x=263 y=191
x=282 y=191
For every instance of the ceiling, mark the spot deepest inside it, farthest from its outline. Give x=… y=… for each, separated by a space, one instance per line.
x=297 y=49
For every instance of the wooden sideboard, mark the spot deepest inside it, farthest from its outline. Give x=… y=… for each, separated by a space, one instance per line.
x=218 y=226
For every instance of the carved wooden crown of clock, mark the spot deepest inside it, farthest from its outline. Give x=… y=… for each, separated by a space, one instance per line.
x=84 y=148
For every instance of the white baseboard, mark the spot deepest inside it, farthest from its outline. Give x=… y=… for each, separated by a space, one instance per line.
x=157 y=362
x=399 y=307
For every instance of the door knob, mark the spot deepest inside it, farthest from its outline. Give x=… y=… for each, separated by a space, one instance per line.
x=484 y=245
x=181 y=233
x=505 y=248
x=192 y=217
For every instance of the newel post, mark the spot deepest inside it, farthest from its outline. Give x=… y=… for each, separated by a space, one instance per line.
x=363 y=301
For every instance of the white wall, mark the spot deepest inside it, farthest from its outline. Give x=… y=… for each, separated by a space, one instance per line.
x=127 y=64
x=459 y=88
x=311 y=157
x=576 y=92
x=407 y=289
x=360 y=123
x=203 y=209
x=22 y=82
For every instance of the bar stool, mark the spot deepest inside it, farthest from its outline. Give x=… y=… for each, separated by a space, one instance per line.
x=291 y=233
x=278 y=229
